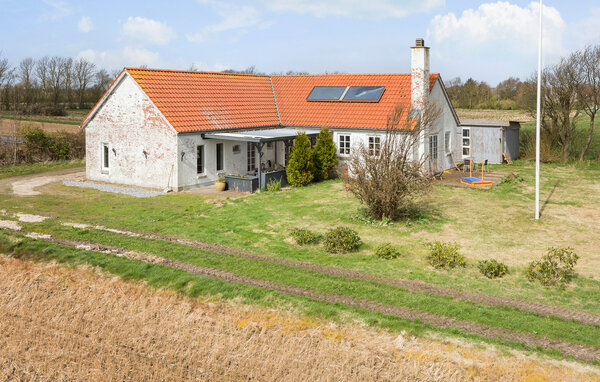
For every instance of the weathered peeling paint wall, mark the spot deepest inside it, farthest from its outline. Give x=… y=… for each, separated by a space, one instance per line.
x=130 y=124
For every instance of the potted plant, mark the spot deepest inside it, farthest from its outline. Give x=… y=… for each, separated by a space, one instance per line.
x=220 y=184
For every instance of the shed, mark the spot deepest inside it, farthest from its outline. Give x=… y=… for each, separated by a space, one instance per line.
x=483 y=139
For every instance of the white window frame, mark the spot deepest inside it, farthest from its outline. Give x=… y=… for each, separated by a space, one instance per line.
x=344 y=144
x=376 y=141
x=201 y=171
x=105 y=156
x=251 y=157
x=448 y=142
x=433 y=148
x=463 y=145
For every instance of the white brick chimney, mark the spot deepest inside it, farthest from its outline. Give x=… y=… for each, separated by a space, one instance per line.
x=419 y=74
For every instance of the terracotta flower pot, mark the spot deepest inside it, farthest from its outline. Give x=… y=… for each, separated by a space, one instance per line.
x=220 y=186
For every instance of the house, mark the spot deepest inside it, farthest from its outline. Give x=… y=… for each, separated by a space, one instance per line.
x=179 y=129
x=490 y=140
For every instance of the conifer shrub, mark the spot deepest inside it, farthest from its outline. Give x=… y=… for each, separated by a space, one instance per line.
x=556 y=267
x=492 y=268
x=445 y=255
x=300 y=166
x=324 y=155
x=387 y=251
x=341 y=240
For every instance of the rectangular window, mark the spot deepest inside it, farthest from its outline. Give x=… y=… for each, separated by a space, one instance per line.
x=105 y=156
x=433 y=146
x=251 y=157
x=200 y=159
x=447 y=142
x=344 y=141
x=219 y=157
x=374 y=145
x=466 y=142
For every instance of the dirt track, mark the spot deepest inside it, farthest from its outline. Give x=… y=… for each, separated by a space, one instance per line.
x=24 y=185
x=581 y=352
x=414 y=285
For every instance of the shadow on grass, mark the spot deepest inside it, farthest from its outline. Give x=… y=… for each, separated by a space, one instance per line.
x=549 y=197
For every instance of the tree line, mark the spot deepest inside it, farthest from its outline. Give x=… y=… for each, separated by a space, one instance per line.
x=50 y=85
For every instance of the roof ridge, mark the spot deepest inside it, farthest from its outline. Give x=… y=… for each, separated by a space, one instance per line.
x=196 y=72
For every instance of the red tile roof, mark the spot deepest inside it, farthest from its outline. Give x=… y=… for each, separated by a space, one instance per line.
x=291 y=92
x=193 y=101
x=202 y=101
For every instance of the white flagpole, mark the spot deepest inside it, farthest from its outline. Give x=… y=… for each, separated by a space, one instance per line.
x=538 y=121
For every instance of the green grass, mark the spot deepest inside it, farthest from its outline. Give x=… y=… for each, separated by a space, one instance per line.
x=73 y=117
x=445 y=306
x=496 y=223
x=34 y=168
x=195 y=286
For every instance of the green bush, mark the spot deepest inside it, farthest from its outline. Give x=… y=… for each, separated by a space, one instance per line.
x=324 y=155
x=556 y=267
x=274 y=185
x=387 y=251
x=303 y=236
x=341 y=240
x=300 y=167
x=492 y=268
x=445 y=255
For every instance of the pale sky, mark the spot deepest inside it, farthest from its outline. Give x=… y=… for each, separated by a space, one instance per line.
x=484 y=40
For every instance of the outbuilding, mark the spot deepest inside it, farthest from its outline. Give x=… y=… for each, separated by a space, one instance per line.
x=494 y=141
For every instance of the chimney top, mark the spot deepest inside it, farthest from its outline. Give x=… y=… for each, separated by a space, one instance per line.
x=420 y=42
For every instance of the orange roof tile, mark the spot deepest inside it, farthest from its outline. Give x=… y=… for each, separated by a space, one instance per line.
x=202 y=101
x=291 y=92
x=193 y=101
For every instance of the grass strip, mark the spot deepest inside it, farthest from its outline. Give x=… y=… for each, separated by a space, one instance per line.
x=504 y=317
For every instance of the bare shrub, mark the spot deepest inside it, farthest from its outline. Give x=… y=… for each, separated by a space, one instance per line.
x=391 y=182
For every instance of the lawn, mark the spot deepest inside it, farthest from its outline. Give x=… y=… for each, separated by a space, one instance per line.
x=73 y=117
x=493 y=223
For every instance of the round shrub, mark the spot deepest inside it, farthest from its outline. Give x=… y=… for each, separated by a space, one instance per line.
x=492 y=268
x=303 y=236
x=445 y=255
x=554 y=268
x=387 y=251
x=341 y=240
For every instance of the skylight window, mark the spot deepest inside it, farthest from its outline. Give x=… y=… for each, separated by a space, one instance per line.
x=346 y=93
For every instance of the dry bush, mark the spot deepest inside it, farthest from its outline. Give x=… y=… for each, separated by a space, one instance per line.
x=390 y=183
x=61 y=324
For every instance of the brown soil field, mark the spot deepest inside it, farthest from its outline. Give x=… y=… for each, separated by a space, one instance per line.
x=7 y=126
x=61 y=323
x=495 y=115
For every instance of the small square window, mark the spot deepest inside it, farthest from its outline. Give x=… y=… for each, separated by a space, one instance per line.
x=374 y=145
x=344 y=144
x=466 y=133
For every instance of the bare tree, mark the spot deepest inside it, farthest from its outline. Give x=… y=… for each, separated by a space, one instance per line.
x=389 y=178
x=26 y=77
x=68 y=74
x=561 y=103
x=84 y=72
x=41 y=72
x=56 y=77
x=587 y=64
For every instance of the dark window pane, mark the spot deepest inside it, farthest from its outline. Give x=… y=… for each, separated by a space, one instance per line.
x=200 y=160
x=219 y=156
x=326 y=93
x=364 y=93
x=105 y=156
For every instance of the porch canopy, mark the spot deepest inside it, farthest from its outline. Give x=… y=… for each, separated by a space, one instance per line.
x=260 y=137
